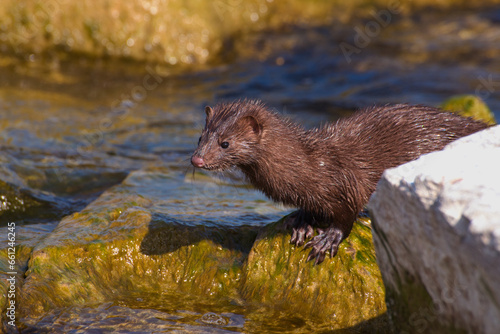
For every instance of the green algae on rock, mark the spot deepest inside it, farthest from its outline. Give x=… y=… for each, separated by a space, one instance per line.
x=11 y=279
x=26 y=237
x=122 y=245
x=342 y=291
x=129 y=245
x=470 y=106
x=110 y=266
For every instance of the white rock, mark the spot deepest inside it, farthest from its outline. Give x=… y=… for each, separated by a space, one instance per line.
x=437 y=236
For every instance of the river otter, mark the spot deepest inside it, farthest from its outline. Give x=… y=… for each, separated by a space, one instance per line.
x=328 y=172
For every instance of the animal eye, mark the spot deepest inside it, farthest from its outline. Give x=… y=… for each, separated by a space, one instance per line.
x=199 y=140
x=224 y=144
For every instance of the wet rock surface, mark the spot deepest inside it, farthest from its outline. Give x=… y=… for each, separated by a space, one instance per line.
x=132 y=244
x=277 y=274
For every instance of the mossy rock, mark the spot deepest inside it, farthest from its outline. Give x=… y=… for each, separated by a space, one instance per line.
x=124 y=247
x=342 y=291
x=14 y=266
x=470 y=106
x=113 y=250
x=11 y=274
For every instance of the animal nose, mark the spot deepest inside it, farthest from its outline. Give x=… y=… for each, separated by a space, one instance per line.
x=197 y=161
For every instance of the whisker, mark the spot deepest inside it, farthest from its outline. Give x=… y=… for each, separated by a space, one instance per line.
x=234 y=184
x=187 y=166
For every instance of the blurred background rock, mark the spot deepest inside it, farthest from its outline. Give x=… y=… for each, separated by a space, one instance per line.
x=176 y=31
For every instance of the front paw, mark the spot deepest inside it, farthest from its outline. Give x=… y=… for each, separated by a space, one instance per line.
x=327 y=240
x=301 y=226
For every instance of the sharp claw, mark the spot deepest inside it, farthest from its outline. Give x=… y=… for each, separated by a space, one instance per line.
x=311 y=255
x=297 y=237
x=319 y=258
x=301 y=228
x=294 y=236
x=333 y=251
x=301 y=238
x=327 y=240
x=309 y=232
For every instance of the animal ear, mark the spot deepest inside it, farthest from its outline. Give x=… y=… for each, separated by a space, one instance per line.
x=209 y=111
x=252 y=123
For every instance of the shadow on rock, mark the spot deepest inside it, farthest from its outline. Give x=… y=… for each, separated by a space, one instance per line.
x=167 y=234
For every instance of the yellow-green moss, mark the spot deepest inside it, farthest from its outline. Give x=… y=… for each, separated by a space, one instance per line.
x=342 y=291
x=172 y=32
x=119 y=248
x=114 y=248
x=470 y=106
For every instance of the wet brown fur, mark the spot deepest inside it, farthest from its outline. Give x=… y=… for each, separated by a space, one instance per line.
x=331 y=171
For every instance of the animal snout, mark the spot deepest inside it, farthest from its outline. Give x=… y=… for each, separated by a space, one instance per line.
x=197 y=161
